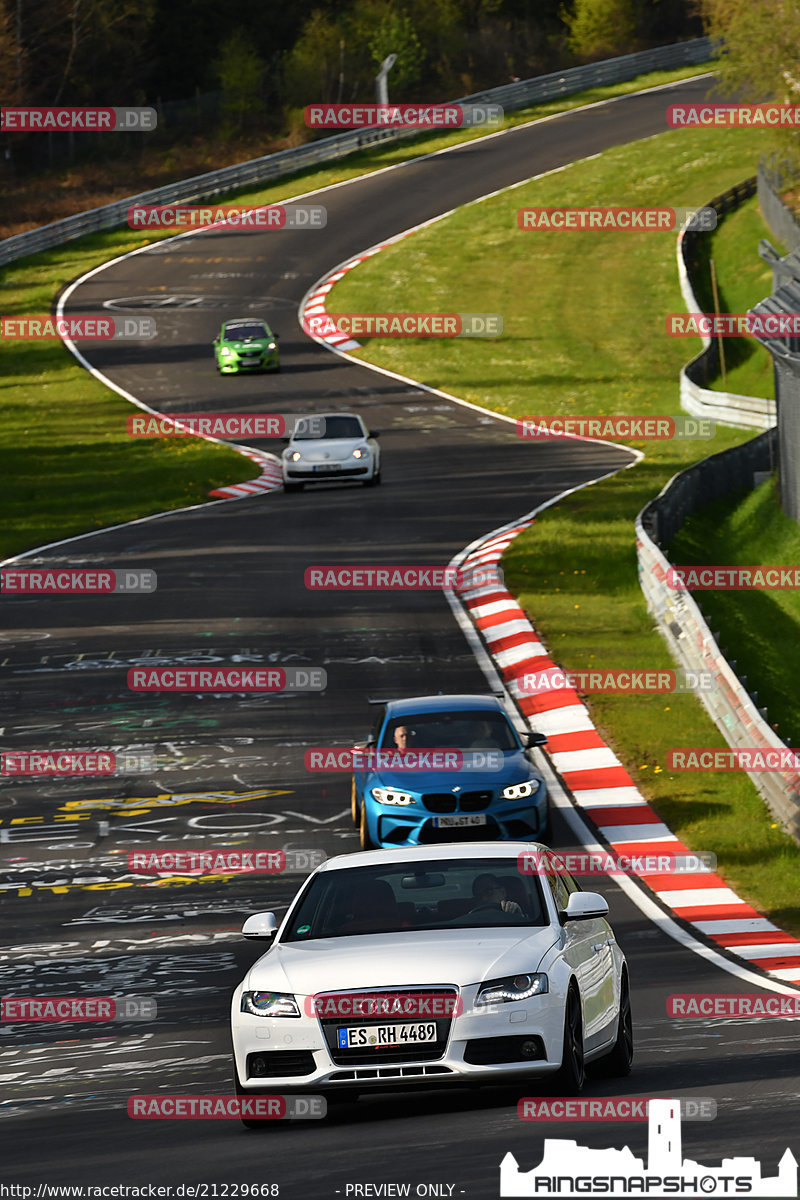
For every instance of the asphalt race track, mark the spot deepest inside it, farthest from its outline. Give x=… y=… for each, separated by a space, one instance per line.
x=231 y=589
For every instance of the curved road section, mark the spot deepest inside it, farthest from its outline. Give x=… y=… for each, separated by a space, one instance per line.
x=229 y=768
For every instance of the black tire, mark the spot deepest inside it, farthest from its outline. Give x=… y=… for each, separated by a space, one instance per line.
x=354 y=803
x=293 y=487
x=249 y=1122
x=571 y=1075
x=363 y=831
x=619 y=1062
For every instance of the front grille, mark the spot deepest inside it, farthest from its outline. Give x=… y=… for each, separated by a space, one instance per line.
x=375 y=1056
x=429 y=835
x=482 y=1052
x=476 y=801
x=440 y=802
x=274 y=1064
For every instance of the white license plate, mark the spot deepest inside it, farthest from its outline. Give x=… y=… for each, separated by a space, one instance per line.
x=459 y=822
x=385 y=1035
x=328 y=467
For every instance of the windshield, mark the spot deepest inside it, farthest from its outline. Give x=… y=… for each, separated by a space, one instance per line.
x=458 y=730
x=238 y=333
x=335 y=427
x=439 y=894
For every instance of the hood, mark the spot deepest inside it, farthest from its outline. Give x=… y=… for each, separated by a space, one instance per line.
x=516 y=769
x=438 y=957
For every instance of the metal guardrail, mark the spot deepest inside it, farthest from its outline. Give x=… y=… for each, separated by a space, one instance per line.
x=774 y=176
x=743 y=412
x=273 y=166
x=734 y=711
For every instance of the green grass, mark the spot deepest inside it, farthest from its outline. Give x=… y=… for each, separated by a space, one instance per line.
x=758 y=628
x=743 y=278
x=68 y=465
x=584 y=334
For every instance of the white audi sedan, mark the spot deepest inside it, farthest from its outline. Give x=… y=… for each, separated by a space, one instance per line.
x=331 y=446
x=432 y=965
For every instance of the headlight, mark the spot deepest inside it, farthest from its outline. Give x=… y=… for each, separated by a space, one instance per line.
x=515 y=987
x=388 y=796
x=295 y=456
x=361 y=452
x=228 y=350
x=518 y=791
x=269 y=1004
x=272 y=346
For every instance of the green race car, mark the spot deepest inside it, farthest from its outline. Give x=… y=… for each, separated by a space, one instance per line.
x=246 y=345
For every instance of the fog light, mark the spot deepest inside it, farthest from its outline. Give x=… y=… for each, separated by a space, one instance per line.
x=258 y=1066
x=530 y=1050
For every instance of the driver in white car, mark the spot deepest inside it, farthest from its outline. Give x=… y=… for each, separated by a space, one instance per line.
x=491 y=893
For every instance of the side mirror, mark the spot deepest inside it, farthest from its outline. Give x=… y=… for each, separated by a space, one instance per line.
x=367 y=744
x=376 y=433
x=216 y=341
x=534 y=739
x=260 y=927
x=276 y=337
x=583 y=906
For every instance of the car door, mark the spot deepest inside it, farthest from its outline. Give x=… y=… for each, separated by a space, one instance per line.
x=584 y=952
x=601 y=941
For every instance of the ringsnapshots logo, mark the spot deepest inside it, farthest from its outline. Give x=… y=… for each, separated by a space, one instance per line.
x=615 y=679
x=617 y=218
x=227 y=1108
x=401 y=578
x=749 y=324
x=715 y=578
x=403 y=116
x=98 y=120
x=333 y=758
x=71 y=327
x=405 y=324
x=227 y=679
x=78 y=1008
x=733 y=116
x=225 y=860
x=234 y=217
x=31 y=763
x=621 y=428
x=225 y=425
x=69 y=581
x=755 y=759
x=608 y=862
x=616 y=1108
